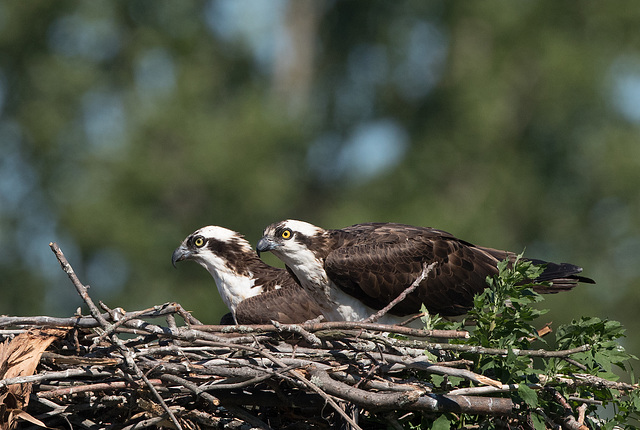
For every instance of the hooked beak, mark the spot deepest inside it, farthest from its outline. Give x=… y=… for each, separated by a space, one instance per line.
x=266 y=244
x=181 y=253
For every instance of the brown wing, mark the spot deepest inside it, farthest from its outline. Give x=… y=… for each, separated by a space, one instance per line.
x=382 y=260
x=288 y=305
x=269 y=278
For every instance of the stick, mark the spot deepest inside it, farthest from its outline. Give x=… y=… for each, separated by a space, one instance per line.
x=425 y=272
x=95 y=312
x=417 y=399
x=101 y=386
x=82 y=290
x=292 y=328
x=498 y=351
x=85 y=322
x=335 y=325
x=422 y=364
x=568 y=420
x=476 y=391
x=70 y=373
x=191 y=387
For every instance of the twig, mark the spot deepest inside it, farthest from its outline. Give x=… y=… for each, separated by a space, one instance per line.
x=246 y=416
x=413 y=318
x=80 y=288
x=581 y=413
x=336 y=325
x=186 y=315
x=372 y=401
x=568 y=420
x=264 y=374
x=423 y=364
x=583 y=379
x=102 y=386
x=585 y=401
x=11 y=333
x=171 y=322
x=191 y=387
x=425 y=272
x=293 y=328
x=379 y=385
x=70 y=373
x=82 y=291
x=144 y=424
x=575 y=363
x=85 y=322
x=498 y=351
x=120 y=318
x=478 y=391
x=413 y=400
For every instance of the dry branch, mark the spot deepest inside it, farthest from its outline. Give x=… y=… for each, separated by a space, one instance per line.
x=334 y=325
x=426 y=269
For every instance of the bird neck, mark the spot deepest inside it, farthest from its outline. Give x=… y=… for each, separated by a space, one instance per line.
x=310 y=271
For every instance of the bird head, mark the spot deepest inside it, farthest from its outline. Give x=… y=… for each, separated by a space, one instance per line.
x=211 y=247
x=291 y=241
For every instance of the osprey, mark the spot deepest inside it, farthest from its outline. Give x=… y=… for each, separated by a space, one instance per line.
x=254 y=292
x=355 y=271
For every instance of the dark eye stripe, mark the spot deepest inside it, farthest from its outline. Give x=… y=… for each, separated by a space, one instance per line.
x=280 y=231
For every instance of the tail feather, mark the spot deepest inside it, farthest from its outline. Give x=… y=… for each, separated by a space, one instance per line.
x=563 y=277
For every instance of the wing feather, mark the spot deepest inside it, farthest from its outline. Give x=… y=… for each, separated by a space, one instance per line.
x=382 y=260
x=376 y=262
x=289 y=305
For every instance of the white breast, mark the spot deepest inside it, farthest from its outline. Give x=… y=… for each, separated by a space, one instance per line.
x=232 y=287
x=351 y=309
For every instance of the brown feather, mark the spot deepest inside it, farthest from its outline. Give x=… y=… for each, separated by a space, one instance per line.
x=289 y=304
x=376 y=262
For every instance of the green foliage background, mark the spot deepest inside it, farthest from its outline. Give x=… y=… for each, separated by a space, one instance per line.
x=126 y=125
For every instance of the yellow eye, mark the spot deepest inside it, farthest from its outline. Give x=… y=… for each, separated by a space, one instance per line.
x=199 y=241
x=286 y=234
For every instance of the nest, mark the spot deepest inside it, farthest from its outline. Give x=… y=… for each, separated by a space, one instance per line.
x=160 y=367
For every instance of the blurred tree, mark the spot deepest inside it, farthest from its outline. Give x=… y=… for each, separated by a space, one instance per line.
x=124 y=126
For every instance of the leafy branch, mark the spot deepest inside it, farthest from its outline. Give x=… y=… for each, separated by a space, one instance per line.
x=550 y=389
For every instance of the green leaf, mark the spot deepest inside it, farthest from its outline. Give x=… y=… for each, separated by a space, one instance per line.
x=442 y=423
x=437 y=380
x=538 y=422
x=529 y=395
x=455 y=380
x=430 y=356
